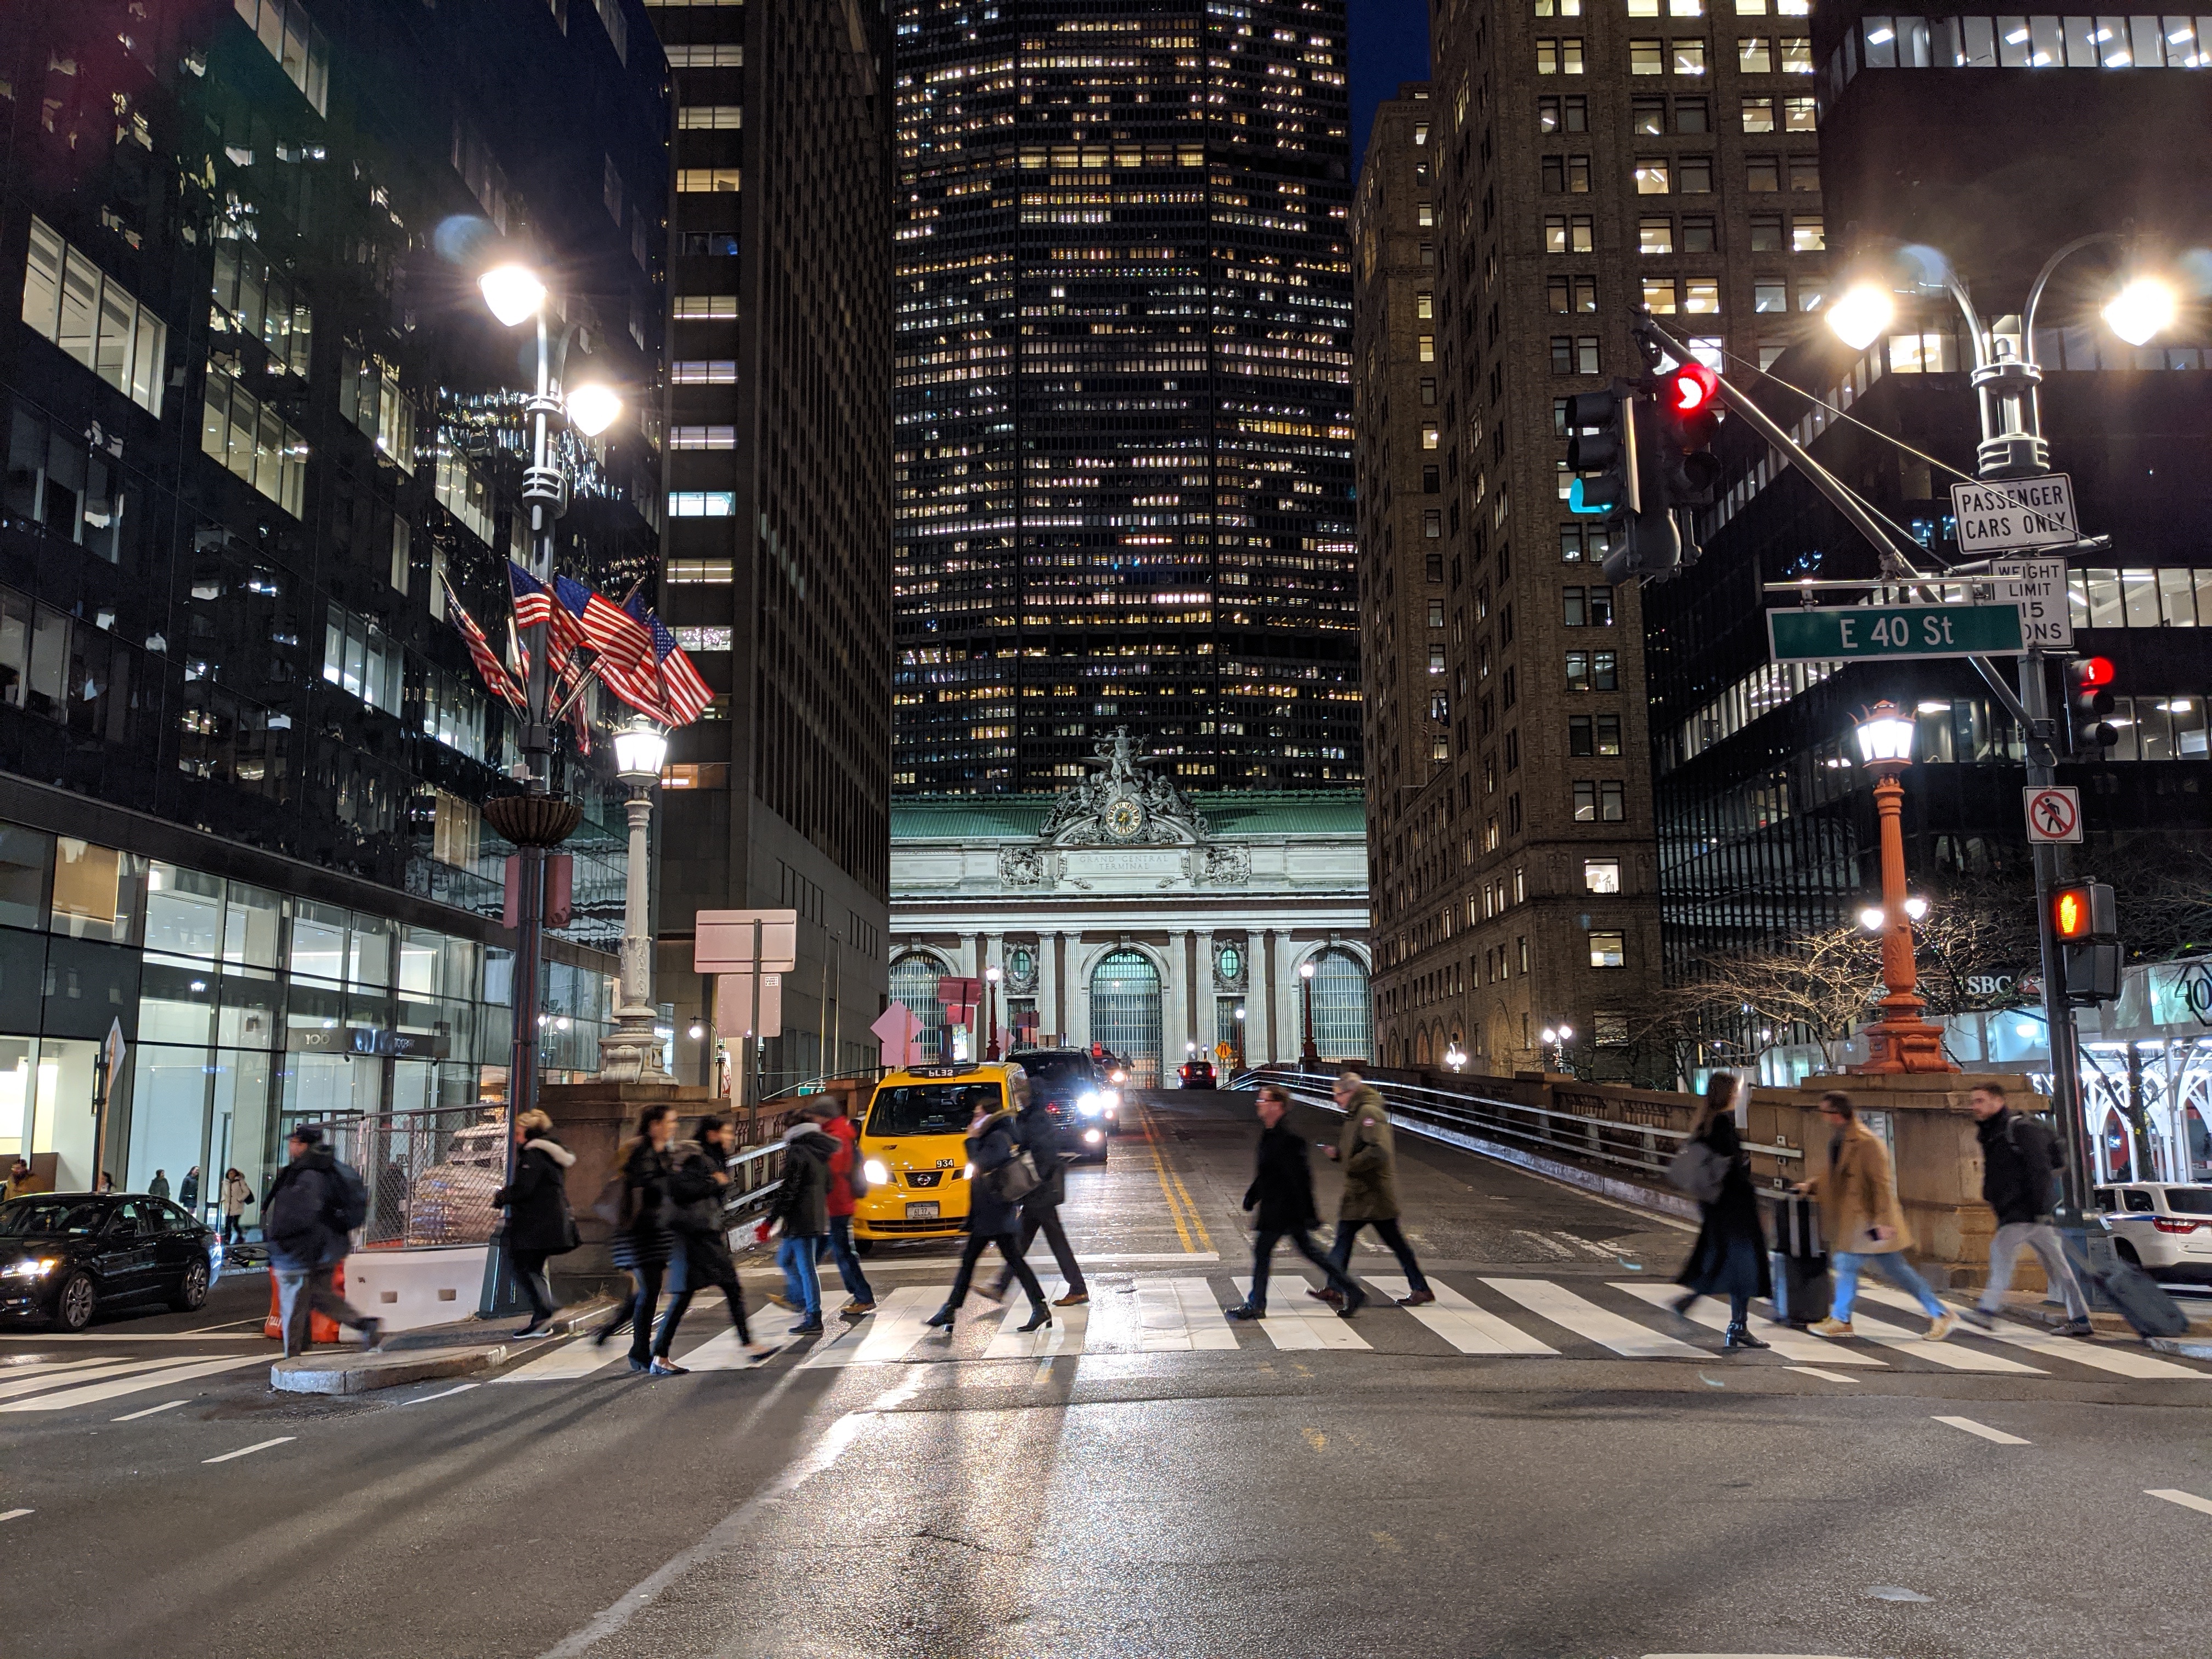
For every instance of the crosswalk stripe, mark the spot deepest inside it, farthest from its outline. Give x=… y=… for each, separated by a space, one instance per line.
x=721 y=1351
x=1296 y=1323
x=1468 y=1328
x=46 y=1368
x=84 y=1373
x=2121 y=1362
x=1586 y=1319
x=1952 y=1356
x=574 y=1358
x=1787 y=1343
x=1967 y=1425
x=1177 y=1315
x=1067 y=1334
x=91 y=1394
x=889 y=1334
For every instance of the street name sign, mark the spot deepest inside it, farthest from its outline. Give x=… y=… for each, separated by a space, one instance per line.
x=2038 y=587
x=2054 y=812
x=2003 y=515
x=1849 y=632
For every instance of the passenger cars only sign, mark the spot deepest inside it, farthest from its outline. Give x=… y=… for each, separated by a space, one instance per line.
x=2001 y=515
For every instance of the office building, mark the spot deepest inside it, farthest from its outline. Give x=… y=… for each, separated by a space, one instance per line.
x=778 y=513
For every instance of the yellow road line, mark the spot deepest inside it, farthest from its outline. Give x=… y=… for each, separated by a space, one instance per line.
x=1171 y=1192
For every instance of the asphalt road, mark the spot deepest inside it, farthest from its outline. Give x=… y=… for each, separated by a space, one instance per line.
x=1147 y=1480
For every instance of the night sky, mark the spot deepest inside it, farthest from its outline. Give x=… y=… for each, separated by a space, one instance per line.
x=1389 y=43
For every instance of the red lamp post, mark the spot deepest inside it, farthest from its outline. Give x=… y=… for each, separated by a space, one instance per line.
x=1900 y=1041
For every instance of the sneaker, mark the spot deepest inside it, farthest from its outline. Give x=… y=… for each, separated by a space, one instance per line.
x=1244 y=1311
x=1942 y=1326
x=1979 y=1320
x=2077 y=1328
x=1417 y=1299
x=1072 y=1299
x=856 y=1310
x=371 y=1334
x=1833 y=1328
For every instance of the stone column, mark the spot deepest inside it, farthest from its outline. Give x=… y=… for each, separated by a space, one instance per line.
x=1076 y=991
x=1049 y=1028
x=1174 y=1005
x=1282 y=1029
x=1202 y=1020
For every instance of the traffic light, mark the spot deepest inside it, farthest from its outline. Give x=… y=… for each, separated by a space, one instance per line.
x=2087 y=701
x=1689 y=404
x=1601 y=439
x=2085 y=919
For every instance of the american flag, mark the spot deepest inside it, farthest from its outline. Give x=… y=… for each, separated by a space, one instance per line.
x=534 y=608
x=688 y=695
x=638 y=684
x=490 y=669
x=612 y=631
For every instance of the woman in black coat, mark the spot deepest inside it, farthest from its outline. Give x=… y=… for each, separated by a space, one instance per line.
x=1040 y=1136
x=642 y=1241
x=539 y=1224
x=1729 y=1258
x=702 y=1242
x=993 y=1219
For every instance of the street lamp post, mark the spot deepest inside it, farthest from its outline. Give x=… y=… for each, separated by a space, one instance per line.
x=1556 y=1038
x=632 y=1055
x=1900 y=1041
x=991 y=976
x=1309 y=1055
x=1455 y=1056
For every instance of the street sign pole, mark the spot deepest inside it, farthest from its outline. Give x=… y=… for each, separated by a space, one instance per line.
x=2058 y=1011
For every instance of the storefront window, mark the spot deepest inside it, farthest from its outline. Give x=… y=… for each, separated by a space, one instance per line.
x=252 y=928
x=319 y=932
x=62 y=1109
x=247 y=1016
x=89 y=987
x=184 y=912
x=369 y=956
x=169 y=1113
x=96 y=891
x=15 y=1094
x=176 y=1003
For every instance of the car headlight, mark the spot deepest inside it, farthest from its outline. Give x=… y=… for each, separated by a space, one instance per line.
x=37 y=1268
x=1091 y=1137
x=1089 y=1104
x=876 y=1174
x=1110 y=1100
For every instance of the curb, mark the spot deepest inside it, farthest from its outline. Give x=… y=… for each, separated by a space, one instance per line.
x=359 y=1373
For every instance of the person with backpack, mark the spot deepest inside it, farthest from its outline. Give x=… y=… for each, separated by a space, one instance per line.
x=1729 y=1258
x=702 y=1253
x=2019 y=1165
x=1864 y=1221
x=314 y=1204
x=638 y=1207
x=539 y=1224
x=1000 y=1177
x=1040 y=1136
x=847 y=1184
x=801 y=1209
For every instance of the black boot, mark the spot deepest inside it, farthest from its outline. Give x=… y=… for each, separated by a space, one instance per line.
x=1039 y=1315
x=1682 y=1305
x=942 y=1318
x=1740 y=1338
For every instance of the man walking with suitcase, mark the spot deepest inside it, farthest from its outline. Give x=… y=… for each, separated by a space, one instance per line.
x=2018 y=1182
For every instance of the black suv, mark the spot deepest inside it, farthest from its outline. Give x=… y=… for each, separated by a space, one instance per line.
x=1073 y=1087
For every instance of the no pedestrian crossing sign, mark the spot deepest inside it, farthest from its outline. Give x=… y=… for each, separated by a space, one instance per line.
x=2054 y=812
x=2007 y=515
x=1849 y=633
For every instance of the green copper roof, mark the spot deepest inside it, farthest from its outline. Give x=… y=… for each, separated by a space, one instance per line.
x=989 y=818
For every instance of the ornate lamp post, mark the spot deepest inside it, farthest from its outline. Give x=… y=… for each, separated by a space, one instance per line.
x=1556 y=1038
x=1455 y=1056
x=632 y=1055
x=1900 y=1041
x=1309 y=1055
x=991 y=977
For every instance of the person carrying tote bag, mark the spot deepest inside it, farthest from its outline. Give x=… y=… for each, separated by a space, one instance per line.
x=1729 y=1258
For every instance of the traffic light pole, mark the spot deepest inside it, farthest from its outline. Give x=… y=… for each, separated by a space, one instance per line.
x=2057 y=1008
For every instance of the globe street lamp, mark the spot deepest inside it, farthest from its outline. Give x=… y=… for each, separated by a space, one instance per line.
x=632 y=1055
x=1455 y=1056
x=1309 y=1055
x=1900 y=1041
x=1556 y=1038
x=991 y=976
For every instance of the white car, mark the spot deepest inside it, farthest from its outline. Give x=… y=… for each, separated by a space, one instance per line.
x=2163 y=1227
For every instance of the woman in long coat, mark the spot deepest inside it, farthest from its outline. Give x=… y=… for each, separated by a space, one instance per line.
x=1729 y=1258
x=539 y=1223
x=641 y=1243
x=993 y=1219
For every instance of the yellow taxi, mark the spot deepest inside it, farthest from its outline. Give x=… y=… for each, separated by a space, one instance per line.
x=914 y=1147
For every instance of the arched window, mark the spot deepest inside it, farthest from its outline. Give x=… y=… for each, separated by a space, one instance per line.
x=1343 y=1009
x=914 y=981
x=1125 y=1013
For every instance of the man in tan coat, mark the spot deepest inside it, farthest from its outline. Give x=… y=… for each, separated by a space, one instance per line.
x=1864 y=1224
x=1370 y=1188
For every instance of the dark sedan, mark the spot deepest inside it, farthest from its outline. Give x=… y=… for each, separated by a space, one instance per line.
x=1198 y=1074
x=64 y=1255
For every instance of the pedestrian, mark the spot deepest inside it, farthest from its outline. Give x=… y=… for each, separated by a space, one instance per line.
x=1862 y=1221
x=1370 y=1198
x=159 y=1186
x=1038 y=1132
x=2018 y=1182
x=801 y=1209
x=702 y=1242
x=21 y=1182
x=540 y=1225
x=1729 y=1258
x=993 y=1217
x=1282 y=1191
x=189 y=1193
x=642 y=1244
x=236 y=1195
x=828 y=1111
x=107 y=1183
x=314 y=1204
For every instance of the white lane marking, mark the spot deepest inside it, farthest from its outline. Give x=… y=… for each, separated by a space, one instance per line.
x=1299 y=1324
x=1067 y=1334
x=1175 y=1315
x=888 y=1334
x=1814 y=1370
x=1952 y=1356
x=721 y=1351
x=248 y=1451
x=1968 y=1425
x=1739 y=1656
x=2188 y=1500
x=1713 y=1315
x=150 y=1411
x=79 y=1371
x=92 y=1393
x=1549 y=1245
x=1586 y=1319
x=2121 y=1362
x=1467 y=1327
x=566 y=1362
x=443 y=1394
x=1168 y=1256
x=15 y=1515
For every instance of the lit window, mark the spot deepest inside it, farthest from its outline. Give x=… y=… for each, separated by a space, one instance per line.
x=702 y=437
x=1609 y=949
x=1652 y=178
x=94 y=319
x=696 y=180
x=694 y=306
x=1647 y=58
x=701 y=503
x=1601 y=875
x=711 y=118
x=1807 y=234
x=1758 y=115
x=719 y=371
x=1655 y=236
x=1689 y=57
x=1702 y=294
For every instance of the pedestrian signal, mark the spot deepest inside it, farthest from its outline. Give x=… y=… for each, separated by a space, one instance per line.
x=2083 y=912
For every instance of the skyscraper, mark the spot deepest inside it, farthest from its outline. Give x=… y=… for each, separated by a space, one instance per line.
x=1123 y=305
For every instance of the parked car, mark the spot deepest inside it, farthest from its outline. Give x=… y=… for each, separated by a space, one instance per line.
x=1074 y=1089
x=2164 y=1227
x=1197 y=1074
x=64 y=1255
x=449 y=1202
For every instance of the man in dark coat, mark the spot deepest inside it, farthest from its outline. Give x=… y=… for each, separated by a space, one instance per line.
x=539 y=1224
x=1282 y=1191
x=2018 y=1182
x=1035 y=1128
x=304 y=1244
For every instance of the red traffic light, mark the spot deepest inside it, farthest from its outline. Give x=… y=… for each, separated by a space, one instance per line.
x=2090 y=673
x=2069 y=914
x=1692 y=389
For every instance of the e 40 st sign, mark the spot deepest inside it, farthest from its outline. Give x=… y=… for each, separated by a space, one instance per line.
x=1843 y=634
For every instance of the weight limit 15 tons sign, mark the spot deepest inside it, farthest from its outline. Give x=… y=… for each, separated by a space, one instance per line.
x=1848 y=633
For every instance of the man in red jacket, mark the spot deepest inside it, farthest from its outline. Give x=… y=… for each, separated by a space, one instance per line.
x=829 y=1111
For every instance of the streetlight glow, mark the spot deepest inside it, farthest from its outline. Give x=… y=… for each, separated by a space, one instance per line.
x=1549 y=1035
x=513 y=292
x=1305 y=970
x=2142 y=309
x=1916 y=907
x=1872 y=918
x=1885 y=735
x=1859 y=317
x=641 y=747
x=593 y=408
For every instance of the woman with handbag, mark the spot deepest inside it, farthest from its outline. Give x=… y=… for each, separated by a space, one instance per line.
x=642 y=1245
x=1001 y=1175
x=1729 y=1258
x=702 y=1242
x=539 y=1224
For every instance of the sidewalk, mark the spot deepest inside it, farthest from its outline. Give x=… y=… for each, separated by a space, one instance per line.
x=418 y=1356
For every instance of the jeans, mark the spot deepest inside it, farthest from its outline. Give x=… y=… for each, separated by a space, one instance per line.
x=645 y=1279
x=233 y=1230
x=530 y=1271
x=1340 y=1253
x=1263 y=1250
x=796 y=1257
x=1047 y=1221
x=1847 y=1267
x=2042 y=1238
x=1009 y=1246
x=684 y=1282
x=303 y=1292
x=839 y=1244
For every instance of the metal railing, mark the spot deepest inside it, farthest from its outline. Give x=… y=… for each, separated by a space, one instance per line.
x=1642 y=1150
x=430 y=1174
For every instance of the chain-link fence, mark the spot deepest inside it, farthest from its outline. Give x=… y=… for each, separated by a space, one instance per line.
x=431 y=1174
